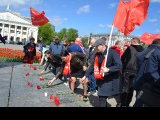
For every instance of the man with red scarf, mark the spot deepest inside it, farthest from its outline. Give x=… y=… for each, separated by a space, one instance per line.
x=108 y=85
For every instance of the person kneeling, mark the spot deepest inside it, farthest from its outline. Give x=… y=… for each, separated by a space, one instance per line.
x=74 y=64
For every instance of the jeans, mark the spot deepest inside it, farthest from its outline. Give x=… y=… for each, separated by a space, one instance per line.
x=92 y=83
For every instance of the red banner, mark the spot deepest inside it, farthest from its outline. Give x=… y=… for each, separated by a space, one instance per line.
x=38 y=19
x=147 y=38
x=130 y=13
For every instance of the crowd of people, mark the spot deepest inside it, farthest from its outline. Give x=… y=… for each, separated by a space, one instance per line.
x=116 y=70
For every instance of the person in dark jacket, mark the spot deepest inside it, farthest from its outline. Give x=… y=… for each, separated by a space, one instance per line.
x=129 y=71
x=55 y=61
x=108 y=85
x=148 y=72
x=74 y=64
x=91 y=55
x=1 y=38
x=30 y=50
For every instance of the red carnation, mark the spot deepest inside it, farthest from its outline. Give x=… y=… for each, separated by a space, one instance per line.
x=31 y=85
x=51 y=97
x=34 y=68
x=27 y=74
x=28 y=83
x=56 y=101
x=41 y=79
x=38 y=87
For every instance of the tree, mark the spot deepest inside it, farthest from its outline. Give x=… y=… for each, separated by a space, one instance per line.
x=62 y=34
x=72 y=34
x=46 y=33
x=85 y=41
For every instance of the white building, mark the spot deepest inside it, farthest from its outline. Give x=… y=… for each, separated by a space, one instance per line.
x=118 y=36
x=16 y=27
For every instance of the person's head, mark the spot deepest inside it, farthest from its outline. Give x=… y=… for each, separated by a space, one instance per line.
x=56 y=39
x=65 y=42
x=100 y=45
x=64 y=55
x=47 y=53
x=104 y=38
x=135 y=41
x=92 y=41
x=125 y=47
x=72 y=41
x=156 y=41
x=78 y=41
x=118 y=44
x=32 y=39
x=40 y=47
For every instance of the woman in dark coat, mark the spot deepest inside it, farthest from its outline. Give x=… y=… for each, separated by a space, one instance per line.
x=30 y=51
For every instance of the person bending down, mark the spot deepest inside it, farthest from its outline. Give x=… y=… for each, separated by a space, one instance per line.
x=74 y=64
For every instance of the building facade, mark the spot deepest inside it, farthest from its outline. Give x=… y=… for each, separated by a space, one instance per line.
x=116 y=36
x=16 y=27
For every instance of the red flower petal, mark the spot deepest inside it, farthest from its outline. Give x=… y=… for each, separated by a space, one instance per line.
x=31 y=85
x=38 y=87
x=28 y=83
x=51 y=97
x=56 y=101
x=41 y=79
x=34 y=68
x=27 y=74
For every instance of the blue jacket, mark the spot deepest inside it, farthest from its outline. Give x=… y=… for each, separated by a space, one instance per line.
x=151 y=71
x=56 y=48
x=75 y=48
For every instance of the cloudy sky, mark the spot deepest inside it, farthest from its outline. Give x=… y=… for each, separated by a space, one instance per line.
x=87 y=16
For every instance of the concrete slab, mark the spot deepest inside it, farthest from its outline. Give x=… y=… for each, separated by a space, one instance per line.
x=22 y=95
x=5 y=80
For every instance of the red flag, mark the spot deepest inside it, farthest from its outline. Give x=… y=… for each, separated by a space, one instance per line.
x=147 y=38
x=130 y=13
x=38 y=19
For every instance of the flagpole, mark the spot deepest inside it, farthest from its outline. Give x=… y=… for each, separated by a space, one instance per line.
x=108 y=46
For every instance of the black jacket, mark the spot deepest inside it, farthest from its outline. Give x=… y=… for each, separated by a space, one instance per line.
x=2 y=39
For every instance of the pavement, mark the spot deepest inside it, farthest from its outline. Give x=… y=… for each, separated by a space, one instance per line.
x=19 y=90
x=15 y=91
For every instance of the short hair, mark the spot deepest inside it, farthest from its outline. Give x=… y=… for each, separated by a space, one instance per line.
x=72 y=40
x=104 y=38
x=137 y=39
x=156 y=41
x=117 y=42
x=64 y=53
x=31 y=38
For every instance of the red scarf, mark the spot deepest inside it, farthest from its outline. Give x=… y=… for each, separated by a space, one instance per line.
x=97 y=71
x=67 y=70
